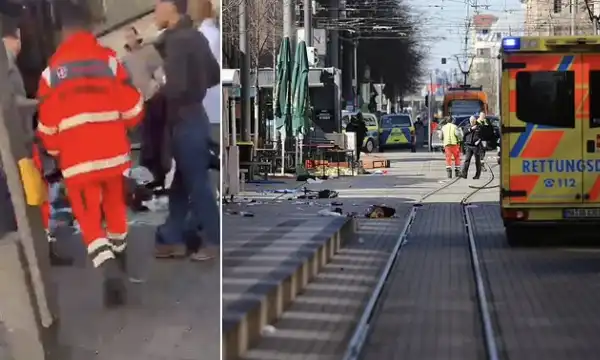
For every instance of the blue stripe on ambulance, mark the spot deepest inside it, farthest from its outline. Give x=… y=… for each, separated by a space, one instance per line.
x=564 y=65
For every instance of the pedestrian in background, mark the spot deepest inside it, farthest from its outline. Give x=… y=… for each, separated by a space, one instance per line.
x=473 y=145
x=451 y=136
x=87 y=105
x=358 y=126
x=190 y=69
x=204 y=14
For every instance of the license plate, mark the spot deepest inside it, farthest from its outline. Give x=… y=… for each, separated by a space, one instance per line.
x=581 y=213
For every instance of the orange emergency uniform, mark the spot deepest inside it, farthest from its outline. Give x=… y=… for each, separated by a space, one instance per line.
x=87 y=104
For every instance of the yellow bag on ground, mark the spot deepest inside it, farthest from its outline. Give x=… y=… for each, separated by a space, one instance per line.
x=34 y=186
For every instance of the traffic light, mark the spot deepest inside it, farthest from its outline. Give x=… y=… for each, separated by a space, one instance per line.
x=443 y=61
x=427 y=100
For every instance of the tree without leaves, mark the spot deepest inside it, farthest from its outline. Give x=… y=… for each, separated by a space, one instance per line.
x=396 y=59
x=264 y=27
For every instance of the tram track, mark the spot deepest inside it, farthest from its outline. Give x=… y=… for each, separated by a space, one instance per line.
x=365 y=325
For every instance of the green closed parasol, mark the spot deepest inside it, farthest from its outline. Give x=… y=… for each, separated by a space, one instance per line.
x=300 y=99
x=281 y=92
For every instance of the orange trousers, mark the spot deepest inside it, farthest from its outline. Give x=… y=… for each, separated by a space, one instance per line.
x=95 y=202
x=452 y=156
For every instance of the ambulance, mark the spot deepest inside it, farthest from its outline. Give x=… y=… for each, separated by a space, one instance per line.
x=550 y=126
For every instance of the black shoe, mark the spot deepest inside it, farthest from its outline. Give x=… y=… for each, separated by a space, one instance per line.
x=58 y=260
x=476 y=177
x=457 y=173
x=114 y=290
x=449 y=172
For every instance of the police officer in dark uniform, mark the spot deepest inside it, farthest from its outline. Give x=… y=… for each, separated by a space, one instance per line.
x=358 y=126
x=473 y=147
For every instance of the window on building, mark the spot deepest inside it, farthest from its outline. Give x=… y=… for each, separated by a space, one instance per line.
x=546 y=98
x=485 y=31
x=484 y=52
x=557 y=6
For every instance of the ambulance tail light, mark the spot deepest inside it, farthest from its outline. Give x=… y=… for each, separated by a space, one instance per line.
x=515 y=214
x=511 y=44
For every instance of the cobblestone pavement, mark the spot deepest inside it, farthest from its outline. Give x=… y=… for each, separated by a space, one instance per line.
x=320 y=321
x=427 y=311
x=318 y=324
x=174 y=315
x=545 y=299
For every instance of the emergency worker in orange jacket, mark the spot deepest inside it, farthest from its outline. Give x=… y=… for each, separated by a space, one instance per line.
x=87 y=105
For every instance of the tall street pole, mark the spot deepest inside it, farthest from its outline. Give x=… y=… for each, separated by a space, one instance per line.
x=245 y=71
x=355 y=74
x=308 y=33
x=289 y=29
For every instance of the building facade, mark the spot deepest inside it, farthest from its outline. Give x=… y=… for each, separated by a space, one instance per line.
x=557 y=17
x=486 y=36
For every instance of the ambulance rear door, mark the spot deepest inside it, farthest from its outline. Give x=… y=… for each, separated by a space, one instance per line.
x=589 y=116
x=544 y=140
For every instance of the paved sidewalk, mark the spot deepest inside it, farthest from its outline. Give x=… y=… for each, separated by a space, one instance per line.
x=174 y=315
x=427 y=311
x=320 y=321
x=545 y=299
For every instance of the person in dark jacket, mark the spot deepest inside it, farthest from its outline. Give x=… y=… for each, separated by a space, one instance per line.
x=473 y=146
x=190 y=69
x=358 y=126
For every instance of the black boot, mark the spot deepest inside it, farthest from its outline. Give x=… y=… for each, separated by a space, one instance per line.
x=449 y=172
x=457 y=172
x=56 y=259
x=476 y=177
x=122 y=261
x=114 y=290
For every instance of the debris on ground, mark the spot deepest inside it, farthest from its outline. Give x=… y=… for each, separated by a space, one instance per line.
x=328 y=212
x=321 y=194
x=379 y=212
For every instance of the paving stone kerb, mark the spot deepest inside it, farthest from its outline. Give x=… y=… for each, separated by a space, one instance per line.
x=267 y=262
x=545 y=299
x=320 y=321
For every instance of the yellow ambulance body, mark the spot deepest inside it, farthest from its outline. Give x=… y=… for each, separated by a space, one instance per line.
x=550 y=159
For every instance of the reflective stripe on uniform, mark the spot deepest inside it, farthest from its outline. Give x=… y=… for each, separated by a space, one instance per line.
x=53 y=152
x=87 y=118
x=101 y=257
x=100 y=250
x=115 y=236
x=95 y=165
x=97 y=245
x=135 y=110
x=46 y=130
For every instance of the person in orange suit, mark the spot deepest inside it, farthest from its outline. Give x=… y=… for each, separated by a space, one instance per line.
x=87 y=106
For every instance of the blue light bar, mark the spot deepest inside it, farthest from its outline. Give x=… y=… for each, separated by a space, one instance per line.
x=511 y=44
